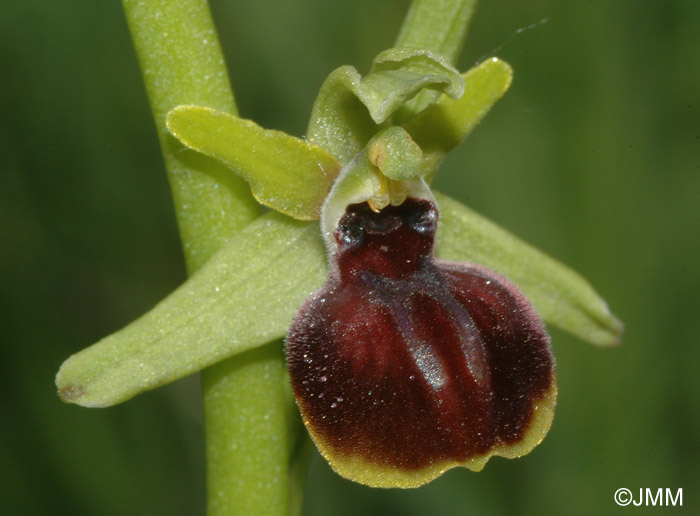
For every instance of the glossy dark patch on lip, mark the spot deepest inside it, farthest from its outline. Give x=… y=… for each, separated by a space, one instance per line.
x=404 y=366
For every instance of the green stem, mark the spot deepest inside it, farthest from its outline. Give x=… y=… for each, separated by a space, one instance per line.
x=181 y=61
x=247 y=406
x=440 y=26
x=246 y=398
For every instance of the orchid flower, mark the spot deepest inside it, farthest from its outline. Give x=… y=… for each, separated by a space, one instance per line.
x=414 y=327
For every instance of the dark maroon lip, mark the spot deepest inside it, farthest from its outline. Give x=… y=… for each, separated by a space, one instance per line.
x=395 y=242
x=407 y=361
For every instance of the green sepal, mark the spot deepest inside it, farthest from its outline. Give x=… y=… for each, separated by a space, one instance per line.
x=340 y=124
x=445 y=124
x=242 y=298
x=560 y=295
x=248 y=292
x=398 y=74
x=285 y=173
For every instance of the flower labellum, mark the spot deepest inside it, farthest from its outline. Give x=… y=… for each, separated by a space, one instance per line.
x=405 y=366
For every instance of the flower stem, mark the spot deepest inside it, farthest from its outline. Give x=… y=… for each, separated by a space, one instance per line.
x=247 y=402
x=181 y=62
x=246 y=398
x=440 y=26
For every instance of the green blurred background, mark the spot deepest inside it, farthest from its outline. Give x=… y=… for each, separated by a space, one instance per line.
x=593 y=156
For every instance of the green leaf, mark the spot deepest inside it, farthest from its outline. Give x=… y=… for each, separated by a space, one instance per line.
x=242 y=298
x=444 y=125
x=560 y=295
x=339 y=122
x=285 y=173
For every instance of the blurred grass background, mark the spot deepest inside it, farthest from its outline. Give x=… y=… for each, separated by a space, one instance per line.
x=593 y=156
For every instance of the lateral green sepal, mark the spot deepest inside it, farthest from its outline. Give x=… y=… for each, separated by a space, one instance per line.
x=560 y=295
x=242 y=298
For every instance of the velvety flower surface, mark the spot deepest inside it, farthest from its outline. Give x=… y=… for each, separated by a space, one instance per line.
x=404 y=366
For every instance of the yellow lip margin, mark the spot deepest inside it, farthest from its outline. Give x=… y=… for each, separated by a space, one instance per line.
x=358 y=469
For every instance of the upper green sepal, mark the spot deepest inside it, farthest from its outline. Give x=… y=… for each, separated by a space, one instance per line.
x=398 y=74
x=285 y=173
x=350 y=107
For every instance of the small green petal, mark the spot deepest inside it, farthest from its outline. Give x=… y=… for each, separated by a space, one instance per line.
x=341 y=125
x=243 y=297
x=560 y=295
x=394 y=153
x=444 y=125
x=285 y=173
